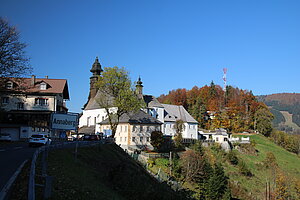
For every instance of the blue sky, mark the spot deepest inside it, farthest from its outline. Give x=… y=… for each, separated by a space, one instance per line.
x=170 y=44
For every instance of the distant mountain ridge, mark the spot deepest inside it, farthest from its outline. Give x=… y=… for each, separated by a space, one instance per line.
x=283 y=98
x=280 y=104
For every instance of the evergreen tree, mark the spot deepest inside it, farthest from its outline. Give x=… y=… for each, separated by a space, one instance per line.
x=217 y=183
x=212 y=90
x=198 y=148
x=198 y=111
x=203 y=179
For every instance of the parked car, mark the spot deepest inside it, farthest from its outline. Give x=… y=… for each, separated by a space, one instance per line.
x=5 y=137
x=91 y=137
x=85 y=137
x=39 y=139
x=71 y=138
x=94 y=137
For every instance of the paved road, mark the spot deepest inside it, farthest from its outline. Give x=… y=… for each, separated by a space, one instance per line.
x=11 y=157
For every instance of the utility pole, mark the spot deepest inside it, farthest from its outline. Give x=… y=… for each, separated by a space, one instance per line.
x=266 y=190
x=170 y=160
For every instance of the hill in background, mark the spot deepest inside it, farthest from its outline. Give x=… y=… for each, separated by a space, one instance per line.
x=286 y=110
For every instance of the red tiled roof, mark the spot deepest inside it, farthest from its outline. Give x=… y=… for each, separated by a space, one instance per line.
x=54 y=86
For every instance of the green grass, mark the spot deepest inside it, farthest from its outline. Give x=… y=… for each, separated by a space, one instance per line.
x=288 y=162
x=104 y=172
x=76 y=180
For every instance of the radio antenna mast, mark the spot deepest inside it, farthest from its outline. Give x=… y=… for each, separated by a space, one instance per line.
x=225 y=78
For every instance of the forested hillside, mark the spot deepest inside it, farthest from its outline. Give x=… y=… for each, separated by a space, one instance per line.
x=289 y=102
x=235 y=109
x=247 y=172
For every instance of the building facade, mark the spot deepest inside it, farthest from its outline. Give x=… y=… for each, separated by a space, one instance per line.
x=93 y=117
x=27 y=103
x=134 y=129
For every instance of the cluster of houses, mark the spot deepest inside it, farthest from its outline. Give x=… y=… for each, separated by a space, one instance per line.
x=135 y=129
x=27 y=104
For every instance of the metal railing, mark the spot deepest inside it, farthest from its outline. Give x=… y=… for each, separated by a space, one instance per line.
x=47 y=186
x=160 y=175
x=155 y=155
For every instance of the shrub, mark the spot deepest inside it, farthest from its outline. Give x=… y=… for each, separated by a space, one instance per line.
x=151 y=162
x=270 y=161
x=232 y=158
x=243 y=169
x=162 y=162
x=157 y=139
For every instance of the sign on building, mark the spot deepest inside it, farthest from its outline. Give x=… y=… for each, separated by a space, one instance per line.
x=64 y=121
x=107 y=132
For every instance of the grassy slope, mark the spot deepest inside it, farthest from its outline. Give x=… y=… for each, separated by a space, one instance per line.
x=104 y=172
x=287 y=162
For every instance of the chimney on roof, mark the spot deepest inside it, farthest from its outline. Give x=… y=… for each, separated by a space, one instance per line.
x=32 y=80
x=46 y=77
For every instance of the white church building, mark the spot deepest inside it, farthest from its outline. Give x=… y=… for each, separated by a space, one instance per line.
x=156 y=116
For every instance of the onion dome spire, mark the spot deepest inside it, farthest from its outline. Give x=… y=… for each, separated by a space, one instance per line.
x=139 y=88
x=96 y=68
x=139 y=82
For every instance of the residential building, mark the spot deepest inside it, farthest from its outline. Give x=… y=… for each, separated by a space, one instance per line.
x=27 y=103
x=134 y=129
x=218 y=136
x=168 y=115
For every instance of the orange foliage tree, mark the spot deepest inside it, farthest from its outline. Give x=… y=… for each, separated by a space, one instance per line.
x=233 y=109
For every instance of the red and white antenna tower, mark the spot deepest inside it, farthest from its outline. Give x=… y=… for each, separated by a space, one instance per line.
x=225 y=78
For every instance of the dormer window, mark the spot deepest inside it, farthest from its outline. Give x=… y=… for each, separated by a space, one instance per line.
x=43 y=86
x=9 y=85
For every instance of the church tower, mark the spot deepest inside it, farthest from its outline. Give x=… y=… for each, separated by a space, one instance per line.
x=96 y=70
x=139 y=88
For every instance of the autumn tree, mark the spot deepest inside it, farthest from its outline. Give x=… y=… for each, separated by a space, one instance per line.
x=117 y=96
x=233 y=109
x=281 y=190
x=176 y=97
x=13 y=61
x=191 y=165
x=196 y=168
x=297 y=188
x=287 y=141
